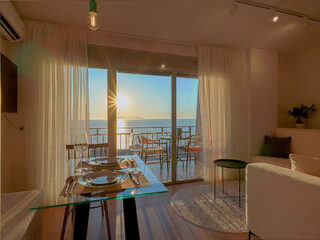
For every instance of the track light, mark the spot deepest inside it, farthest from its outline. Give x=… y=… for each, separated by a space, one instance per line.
x=274 y=16
x=276 y=10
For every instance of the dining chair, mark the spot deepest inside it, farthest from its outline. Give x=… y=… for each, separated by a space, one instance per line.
x=151 y=147
x=182 y=140
x=94 y=150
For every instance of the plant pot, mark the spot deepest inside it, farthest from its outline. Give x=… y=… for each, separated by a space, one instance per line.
x=300 y=125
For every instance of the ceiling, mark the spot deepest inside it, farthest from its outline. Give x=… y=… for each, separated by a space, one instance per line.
x=193 y=21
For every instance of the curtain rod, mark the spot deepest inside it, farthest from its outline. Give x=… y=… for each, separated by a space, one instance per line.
x=281 y=10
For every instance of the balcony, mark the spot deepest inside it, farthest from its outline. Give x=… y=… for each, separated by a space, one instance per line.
x=159 y=163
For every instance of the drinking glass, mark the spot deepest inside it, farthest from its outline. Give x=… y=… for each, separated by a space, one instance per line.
x=81 y=144
x=135 y=145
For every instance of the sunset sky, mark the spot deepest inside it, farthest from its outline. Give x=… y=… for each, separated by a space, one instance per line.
x=142 y=96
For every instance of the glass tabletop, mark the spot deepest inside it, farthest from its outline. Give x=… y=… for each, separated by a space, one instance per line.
x=156 y=187
x=230 y=163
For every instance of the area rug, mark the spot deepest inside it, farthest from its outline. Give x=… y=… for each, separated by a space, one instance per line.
x=196 y=204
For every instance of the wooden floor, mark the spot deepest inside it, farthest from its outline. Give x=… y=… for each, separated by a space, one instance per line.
x=157 y=220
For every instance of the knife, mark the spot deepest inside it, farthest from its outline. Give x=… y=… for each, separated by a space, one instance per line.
x=134 y=178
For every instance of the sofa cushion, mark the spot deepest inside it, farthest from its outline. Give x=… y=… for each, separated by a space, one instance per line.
x=17 y=221
x=281 y=162
x=276 y=147
x=305 y=164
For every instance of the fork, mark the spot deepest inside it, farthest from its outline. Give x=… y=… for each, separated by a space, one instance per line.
x=72 y=186
x=69 y=180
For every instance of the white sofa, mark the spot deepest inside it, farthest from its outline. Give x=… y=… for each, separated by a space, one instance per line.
x=281 y=203
x=303 y=141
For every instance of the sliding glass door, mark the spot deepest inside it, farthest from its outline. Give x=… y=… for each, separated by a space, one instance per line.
x=189 y=145
x=154 y=116
x=144 y=120
x=98 y=85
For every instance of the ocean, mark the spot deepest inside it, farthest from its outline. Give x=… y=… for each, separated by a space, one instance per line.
x=146 y=126
x=144 y=123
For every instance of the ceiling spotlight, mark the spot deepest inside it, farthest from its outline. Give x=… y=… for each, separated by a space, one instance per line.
x=234 y=8
x=274 y=16
x=163 y=66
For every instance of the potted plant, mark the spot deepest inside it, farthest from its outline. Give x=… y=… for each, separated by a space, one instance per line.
x=301 y=112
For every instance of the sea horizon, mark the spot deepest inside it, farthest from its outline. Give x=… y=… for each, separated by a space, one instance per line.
x=140 y=126
x=157 y=122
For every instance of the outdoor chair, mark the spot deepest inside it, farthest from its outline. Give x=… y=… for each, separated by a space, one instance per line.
x=153 y=148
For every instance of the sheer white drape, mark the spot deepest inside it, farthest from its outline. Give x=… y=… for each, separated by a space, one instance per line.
x=224 y=105
x=55 y=71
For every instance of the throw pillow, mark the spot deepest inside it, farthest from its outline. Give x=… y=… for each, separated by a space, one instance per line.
x=276 y=147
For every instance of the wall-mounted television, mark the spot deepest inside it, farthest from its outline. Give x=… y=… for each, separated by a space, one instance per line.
x=9 y=86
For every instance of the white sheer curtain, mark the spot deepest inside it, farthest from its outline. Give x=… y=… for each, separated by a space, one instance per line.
x=55 y=71
x=224 y=104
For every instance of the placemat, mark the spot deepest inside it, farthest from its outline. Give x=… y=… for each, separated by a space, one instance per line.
x=116 y=166
x=127 y=183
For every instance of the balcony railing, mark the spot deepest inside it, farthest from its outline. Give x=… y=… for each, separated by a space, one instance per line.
x=100 y=135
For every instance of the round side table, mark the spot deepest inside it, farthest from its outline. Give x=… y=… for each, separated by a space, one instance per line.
x=231 y=164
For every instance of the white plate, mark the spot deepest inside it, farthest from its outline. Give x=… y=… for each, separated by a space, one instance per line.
x=102 y=178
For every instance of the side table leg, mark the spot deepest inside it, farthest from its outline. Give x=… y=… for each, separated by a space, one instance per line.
x=239 y=190
x=214 y=180
x=222 y=181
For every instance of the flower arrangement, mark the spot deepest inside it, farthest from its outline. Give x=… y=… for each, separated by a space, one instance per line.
x=301 y=112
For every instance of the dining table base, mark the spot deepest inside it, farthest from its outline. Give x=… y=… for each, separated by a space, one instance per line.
x=131 y=225
x=81 y=221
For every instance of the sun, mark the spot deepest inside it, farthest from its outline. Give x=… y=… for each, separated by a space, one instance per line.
x=122 y=102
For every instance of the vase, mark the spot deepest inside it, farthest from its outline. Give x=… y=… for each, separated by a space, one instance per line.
x=300 y=125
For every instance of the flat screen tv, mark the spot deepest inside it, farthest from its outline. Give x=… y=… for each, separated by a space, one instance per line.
x=9 y=86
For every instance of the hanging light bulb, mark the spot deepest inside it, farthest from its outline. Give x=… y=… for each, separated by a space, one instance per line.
x=93 y=15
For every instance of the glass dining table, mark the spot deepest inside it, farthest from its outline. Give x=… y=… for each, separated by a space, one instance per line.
x=82 y=202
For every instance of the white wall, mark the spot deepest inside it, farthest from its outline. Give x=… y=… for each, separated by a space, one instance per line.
x=299 y=83
x=13 y=162
x=263 y=81
x=142 y=44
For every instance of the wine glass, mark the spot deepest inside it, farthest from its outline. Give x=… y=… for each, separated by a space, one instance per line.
x=81 y=144
x=135 y=145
